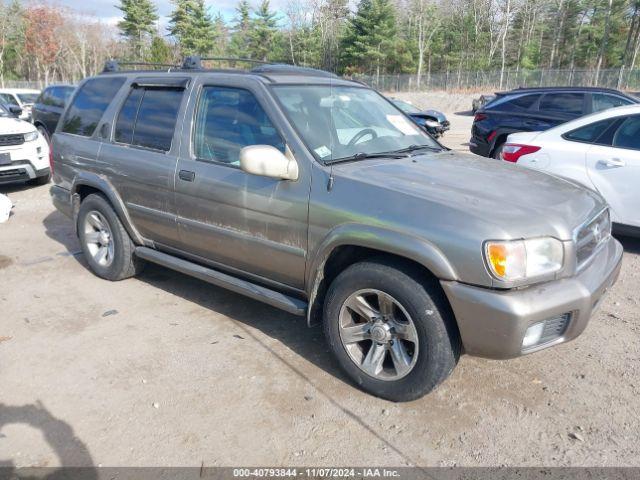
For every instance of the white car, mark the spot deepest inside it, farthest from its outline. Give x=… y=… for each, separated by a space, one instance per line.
x=20 y=97
x=600 y=151
x=24 y=152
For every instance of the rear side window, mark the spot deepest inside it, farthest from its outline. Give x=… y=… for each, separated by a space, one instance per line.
x=590 y=133
x=229 y=119
x=602 y=101
x=514 y=104
x=58 y=96
x=628 y=135
x=89 y=105
x=148 y=117
x=569 y=103
x=8 y=99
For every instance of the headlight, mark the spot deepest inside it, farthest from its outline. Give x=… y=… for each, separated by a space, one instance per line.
x=31 y=136
x=524 y=259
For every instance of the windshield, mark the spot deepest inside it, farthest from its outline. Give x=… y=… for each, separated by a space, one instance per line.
x=339 y=122
x=406 y=107
x=4 y=112
x=28 y=97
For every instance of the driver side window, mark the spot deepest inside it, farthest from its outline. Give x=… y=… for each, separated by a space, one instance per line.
x=227 y=120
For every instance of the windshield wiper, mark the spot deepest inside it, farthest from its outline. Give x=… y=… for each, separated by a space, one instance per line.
x=414 y=148
x=365 y=156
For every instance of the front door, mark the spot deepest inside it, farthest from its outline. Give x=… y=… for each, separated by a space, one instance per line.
x=242 y=222
x=615 y=171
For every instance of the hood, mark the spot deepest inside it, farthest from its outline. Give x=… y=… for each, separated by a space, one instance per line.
x=12 y=125
x=435 y=114
x=510 y=201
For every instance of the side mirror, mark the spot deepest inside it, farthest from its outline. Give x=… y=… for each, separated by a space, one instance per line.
x=15 y=110
x=268 y=161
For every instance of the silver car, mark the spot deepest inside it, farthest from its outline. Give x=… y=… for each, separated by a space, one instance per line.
x=318 y=196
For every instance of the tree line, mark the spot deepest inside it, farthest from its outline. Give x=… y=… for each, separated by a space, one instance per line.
x=43 y=42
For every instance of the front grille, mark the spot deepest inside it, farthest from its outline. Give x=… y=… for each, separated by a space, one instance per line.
x=8 y=140
x=13 y=175
x=591 y=236
x=554 y=328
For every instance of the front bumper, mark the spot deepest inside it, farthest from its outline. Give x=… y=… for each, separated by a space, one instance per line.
x=27 y=161
x=493 y=323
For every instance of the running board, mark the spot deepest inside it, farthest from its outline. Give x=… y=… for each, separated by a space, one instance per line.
x=215 y=277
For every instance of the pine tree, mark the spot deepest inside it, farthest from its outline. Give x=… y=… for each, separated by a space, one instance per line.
x=193 y=28
x=160 y=51
x=239 y=44
x=368 y=44
x=264 y=34
x=137 y=23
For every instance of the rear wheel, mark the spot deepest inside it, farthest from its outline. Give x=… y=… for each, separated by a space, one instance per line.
x=497 y=153
x=390 y=330
x=105 y=242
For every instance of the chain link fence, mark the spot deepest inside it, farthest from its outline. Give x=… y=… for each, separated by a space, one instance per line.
x=489 y=81
x=21 y=84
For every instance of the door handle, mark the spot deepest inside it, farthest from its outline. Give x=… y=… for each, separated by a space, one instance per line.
x=613 y=162
x=187 y=175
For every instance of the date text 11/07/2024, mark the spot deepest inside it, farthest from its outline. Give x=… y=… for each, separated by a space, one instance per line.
x=317 y=472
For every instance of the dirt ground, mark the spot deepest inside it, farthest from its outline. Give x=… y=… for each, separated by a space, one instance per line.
x=167 y=370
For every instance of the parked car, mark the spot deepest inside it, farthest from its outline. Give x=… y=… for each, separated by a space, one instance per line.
x=49 y=107
x=20 y=97
x=24 y=153
x=316 y=195
x=432 y=121
x=478 y=103
x=536 y=109
x=600 y=151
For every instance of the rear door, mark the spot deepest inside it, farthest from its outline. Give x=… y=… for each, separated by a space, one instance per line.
x=560 y=107
x=614 y=169
x=244 y=222
x=141 y=152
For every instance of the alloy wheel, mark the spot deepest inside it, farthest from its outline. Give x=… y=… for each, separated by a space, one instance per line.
x=378 y=334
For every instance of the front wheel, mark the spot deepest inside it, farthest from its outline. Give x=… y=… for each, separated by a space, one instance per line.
x=390 y=329
x=44 y=133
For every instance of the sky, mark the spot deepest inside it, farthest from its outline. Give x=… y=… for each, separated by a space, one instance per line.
x=106 y=10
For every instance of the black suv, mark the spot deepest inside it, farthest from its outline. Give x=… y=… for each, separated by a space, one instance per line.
x=49 y=107
x=536 y=109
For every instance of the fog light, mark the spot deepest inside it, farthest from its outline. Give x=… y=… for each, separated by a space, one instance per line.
x=533 y=335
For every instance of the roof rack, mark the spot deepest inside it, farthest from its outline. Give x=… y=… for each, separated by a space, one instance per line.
x=284 y=69
x=194 y=62
x=114 y=65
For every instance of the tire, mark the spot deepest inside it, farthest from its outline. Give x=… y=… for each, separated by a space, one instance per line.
x=100 y=230
x=44 y=133
x=429 y=360
x=497 y=153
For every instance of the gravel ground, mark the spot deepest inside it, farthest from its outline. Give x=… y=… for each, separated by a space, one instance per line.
x=167 y=370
